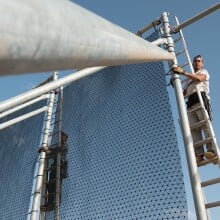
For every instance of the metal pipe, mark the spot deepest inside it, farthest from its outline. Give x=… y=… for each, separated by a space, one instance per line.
x=148 y=27
x=17 y=100
x=185 y=127
x=197 y=17
x=35 y=212
x=51 y=35
x=23 y=117
x=10 y=111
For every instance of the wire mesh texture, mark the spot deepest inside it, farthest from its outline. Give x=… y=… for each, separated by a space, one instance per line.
x=123 y=159
x=18 y=156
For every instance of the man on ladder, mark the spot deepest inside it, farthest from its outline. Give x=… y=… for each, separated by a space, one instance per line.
x=199 y=79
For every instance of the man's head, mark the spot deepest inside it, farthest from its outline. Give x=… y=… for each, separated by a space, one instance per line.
x=198 y=62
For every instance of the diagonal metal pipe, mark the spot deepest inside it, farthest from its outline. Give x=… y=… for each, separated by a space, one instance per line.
x=22 y=98
x=48 y=35
x=197 y=17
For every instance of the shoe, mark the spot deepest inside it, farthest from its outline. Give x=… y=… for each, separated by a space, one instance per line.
x=210 y=154
x=199 y=158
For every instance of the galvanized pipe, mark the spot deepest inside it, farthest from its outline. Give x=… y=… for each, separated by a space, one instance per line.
x=10 y=111
x=17 y=100
x=185 y=127
x=148 y=27
x=51 y=35
x=197 y=17
x=23 y=117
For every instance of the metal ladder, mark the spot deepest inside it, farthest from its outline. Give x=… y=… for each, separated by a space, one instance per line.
x=55 y=169
x=205 y=122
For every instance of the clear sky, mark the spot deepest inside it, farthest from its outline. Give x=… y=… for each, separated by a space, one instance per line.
x=202 y=38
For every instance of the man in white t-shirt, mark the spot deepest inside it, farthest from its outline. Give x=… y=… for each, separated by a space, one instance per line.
x=199 y=78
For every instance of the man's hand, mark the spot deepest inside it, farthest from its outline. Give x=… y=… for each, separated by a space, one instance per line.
x=178 y=70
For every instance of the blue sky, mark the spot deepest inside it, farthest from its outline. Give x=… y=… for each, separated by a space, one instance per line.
x=202 y=38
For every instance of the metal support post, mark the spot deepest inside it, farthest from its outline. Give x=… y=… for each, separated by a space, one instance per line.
x=35 y=212
x=187 y=137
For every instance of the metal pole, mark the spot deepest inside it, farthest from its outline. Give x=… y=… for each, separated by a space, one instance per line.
x=23 y=117
x=17 y=100
x=56 y=38
x=35 y=212
x=197 y=17
x=23 y=105
x=187 y=137
x=148 y=27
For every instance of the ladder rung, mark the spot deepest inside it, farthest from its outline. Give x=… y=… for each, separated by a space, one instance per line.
x=50 y=168
x=198 y=124
x=195 y=109
x=50 y=181
x=212 y=204
x=210 y=182
x=46 y=208
x=180 y=52
x=185 y=64
x=202 y=142
x=214 y=160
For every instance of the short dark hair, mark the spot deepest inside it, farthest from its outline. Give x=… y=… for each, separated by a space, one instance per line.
x=198 y=56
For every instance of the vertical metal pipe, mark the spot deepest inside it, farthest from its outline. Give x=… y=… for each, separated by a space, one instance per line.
x=187 y=137
x=35 y=212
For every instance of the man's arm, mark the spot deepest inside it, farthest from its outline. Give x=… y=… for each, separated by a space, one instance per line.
x=195 y=77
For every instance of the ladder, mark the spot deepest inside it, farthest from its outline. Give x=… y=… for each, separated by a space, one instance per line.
x=55 y=169
x=205 y=123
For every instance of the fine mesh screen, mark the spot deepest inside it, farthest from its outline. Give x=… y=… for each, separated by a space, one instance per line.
x=18 y=154
x=123 y=158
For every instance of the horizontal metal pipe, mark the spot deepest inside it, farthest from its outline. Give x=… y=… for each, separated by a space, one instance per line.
x=49 y=35
x=23 y=117
x=17 y=100
x=148 y=27
x=10 y=111
x=197 y=17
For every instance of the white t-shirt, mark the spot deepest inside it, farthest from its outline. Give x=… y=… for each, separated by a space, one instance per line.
x=202 y=86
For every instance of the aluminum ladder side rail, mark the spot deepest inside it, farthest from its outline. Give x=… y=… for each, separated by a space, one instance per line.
x=58 y=168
